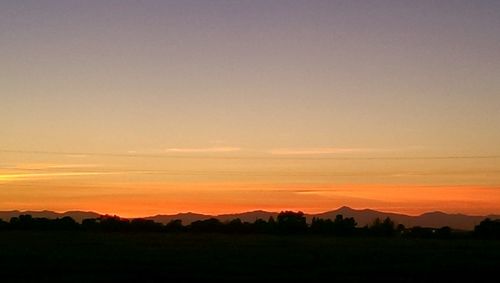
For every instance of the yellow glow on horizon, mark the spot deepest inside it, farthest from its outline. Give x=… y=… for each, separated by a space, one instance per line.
x=34 y=176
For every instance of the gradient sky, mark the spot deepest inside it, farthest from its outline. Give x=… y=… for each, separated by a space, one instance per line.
x=146 y=107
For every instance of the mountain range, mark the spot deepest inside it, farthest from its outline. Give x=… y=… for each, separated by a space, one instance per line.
x=363 y=217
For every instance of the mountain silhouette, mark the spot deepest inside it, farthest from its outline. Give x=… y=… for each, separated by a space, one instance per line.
x=362 y=216
x=429 y=219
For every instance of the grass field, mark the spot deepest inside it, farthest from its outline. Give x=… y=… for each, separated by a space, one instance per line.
x=105 y=257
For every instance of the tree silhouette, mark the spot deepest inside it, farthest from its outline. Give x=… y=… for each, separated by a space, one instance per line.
x=210 y=225
x=113 y=223
x=3 y=225
x=174 y=226
x=340 y=226
x=90 y=224
x=237 y=226
x=288 y=222
x=66 y=223
x=22 y=222
x=27 y=222
x=292 y=222
x=383 y=228
x=344 y=226
x=261 y=226
x=321 y=226
x=401 y=229
x=272 y=225
x=140 y=225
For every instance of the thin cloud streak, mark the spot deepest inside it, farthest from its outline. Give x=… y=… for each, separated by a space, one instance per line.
x=34 y=176
x=203 y=150
x=44 y=166
x=316 y=151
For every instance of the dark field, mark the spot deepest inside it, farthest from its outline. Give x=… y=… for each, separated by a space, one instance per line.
x=141 y=257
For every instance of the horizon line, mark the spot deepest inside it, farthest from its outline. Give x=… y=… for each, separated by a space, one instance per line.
x=249 y=211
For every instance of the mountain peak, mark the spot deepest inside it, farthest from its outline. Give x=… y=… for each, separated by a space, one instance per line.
x=345 y=208
x=434 y=213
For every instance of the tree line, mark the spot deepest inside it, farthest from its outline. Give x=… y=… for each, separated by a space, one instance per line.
x=287 y=222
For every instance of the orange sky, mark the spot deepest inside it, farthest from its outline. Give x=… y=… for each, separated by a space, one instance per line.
x=223 y=106
x=226 y=184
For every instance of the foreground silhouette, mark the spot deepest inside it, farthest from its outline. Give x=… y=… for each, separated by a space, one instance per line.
x=287 y=223
x=113 y=249
x=363 y=217
x=73 y=256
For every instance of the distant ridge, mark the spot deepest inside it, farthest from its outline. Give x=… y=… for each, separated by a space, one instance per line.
x=429 y=219
x=362 y=216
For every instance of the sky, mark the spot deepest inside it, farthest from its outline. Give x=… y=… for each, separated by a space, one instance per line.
x=153 y=107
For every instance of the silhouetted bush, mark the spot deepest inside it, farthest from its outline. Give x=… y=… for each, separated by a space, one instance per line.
x=90 y=224
x=261 y=226
x=400 y=229
x=174 y=226
x=488 y=229
x=428 y=232
x=140 y=225
x=3 y=225
x=23 y=222
x=443 y=232
x=420 y=232
x=66 y=223
x=272 y=225
x=211 y=225
x=113 y=223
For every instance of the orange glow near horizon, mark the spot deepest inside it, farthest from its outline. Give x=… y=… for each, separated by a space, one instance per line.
x=224 y=106
x=135 y=186
x=151 y=198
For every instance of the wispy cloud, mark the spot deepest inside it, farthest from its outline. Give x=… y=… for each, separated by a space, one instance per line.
x=34 y=176
x=317 y=150
x=203 y=149
x=48 y=166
